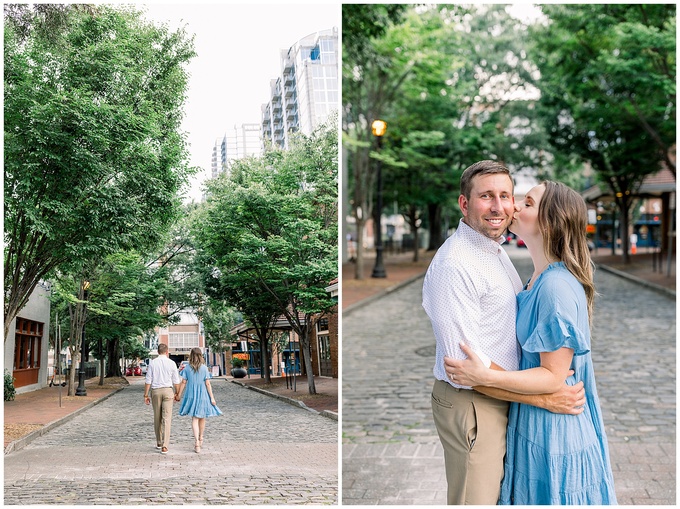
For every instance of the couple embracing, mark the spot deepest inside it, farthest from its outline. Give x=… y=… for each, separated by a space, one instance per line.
x=514 y=401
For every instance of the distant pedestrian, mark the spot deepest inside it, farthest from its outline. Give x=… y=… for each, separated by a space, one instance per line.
x=162 y=380
x=198 y=400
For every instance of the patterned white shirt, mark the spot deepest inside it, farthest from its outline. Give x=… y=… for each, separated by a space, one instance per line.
x=162 y=372
x=469 y=293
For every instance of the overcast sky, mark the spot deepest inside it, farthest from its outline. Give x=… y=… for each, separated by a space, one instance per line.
x=238 y=53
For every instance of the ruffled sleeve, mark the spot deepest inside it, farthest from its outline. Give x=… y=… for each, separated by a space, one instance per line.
x=557 y=332
x=562 y=310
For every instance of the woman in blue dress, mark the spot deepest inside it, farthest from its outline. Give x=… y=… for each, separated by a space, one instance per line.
x=198 y=400
x=551 y=458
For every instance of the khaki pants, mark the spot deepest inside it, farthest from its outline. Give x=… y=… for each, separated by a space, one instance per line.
x=471 y=428
x=162 y=400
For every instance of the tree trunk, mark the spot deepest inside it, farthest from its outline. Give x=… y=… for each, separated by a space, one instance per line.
x=413 y=222
x=434 y=215
x=304 y=347
x=264 y=359
x=102 y=362
x=112 y=366
x=75 y=357
x=625 y=208
x=359 y=266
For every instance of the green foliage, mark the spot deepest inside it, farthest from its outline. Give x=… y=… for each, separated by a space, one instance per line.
x=609 y=96
x=267 y=236
x=608 y=91
x=237 y=363
x=10 y=391
x=94 y=159
x=449 y=80
x=218 y=318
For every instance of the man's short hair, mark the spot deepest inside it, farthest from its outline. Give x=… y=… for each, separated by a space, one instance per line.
x=162 y=348
x=480 y=168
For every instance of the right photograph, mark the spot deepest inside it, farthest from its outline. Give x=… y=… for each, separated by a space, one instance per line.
x=508 y=287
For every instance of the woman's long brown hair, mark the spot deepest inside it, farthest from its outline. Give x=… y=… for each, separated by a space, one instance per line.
x=562 y=219
x=195 y=359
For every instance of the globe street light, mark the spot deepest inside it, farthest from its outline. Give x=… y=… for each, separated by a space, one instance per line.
x=80 y=390
x=379 y=127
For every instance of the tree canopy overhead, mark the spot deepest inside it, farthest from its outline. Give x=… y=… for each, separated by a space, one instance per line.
x=94 y=159
x=269 y=236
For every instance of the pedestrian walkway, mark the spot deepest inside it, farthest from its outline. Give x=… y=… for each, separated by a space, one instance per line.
x=391 y=453
x=645 y=268
x=34 y=413
x=295 y=390
x=261 y=451
x=31 y=414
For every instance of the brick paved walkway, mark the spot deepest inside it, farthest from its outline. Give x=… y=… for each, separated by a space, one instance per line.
x=261 y=451
x=391 y=452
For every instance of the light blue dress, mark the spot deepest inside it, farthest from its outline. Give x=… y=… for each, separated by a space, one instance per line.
x=556 y=459
x=196 y=400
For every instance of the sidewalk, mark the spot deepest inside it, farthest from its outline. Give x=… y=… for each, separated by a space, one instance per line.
x=296 y=391
x=32 y=414
x=401 y=269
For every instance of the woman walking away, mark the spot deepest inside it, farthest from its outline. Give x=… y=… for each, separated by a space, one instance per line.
x=198 y=401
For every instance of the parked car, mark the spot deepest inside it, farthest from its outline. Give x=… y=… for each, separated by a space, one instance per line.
x=183 y=365
x=133 y=371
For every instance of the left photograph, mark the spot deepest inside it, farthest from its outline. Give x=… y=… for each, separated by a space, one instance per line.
x=171 y=254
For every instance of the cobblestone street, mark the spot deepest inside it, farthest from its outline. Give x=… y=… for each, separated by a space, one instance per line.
x=262 y=451
x=391 y=452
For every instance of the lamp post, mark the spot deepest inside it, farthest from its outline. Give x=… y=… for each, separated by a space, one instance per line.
x=379 y=127
x=80 y=390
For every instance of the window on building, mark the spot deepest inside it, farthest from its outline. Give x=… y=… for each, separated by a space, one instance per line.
x=324 y=347
x=182 y=340
x=27 y=344
x=315 y=54
x=322 y=325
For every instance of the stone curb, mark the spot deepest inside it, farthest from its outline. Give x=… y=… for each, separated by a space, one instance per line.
x=381 y=294
x=652 y=286
x=22 y=442
x=357 y=305
x=291 y=401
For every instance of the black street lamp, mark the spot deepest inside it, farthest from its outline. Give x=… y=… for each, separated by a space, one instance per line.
x=379 y=127
x=80 y=390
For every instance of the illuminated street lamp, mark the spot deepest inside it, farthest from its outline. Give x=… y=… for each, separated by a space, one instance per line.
x=379 y=127
x=80 y=390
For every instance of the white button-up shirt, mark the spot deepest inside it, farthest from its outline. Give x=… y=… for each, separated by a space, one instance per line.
x=469 y=293
x=162 y=372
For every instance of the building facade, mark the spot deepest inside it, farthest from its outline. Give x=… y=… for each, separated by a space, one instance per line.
x=241 y=141
x=181 y=338
x=307 y=90
x=27 y=345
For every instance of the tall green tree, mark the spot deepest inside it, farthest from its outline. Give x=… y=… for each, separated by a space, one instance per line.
x=94 y=159
x=269 y=234
x=608 y=77
x=371 y=77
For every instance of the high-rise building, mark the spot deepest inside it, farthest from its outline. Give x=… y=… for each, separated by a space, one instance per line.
x=237 y=143
x=307 y=90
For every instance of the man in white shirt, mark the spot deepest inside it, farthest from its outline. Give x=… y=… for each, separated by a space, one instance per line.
x=162 y=380
x=469 y=293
